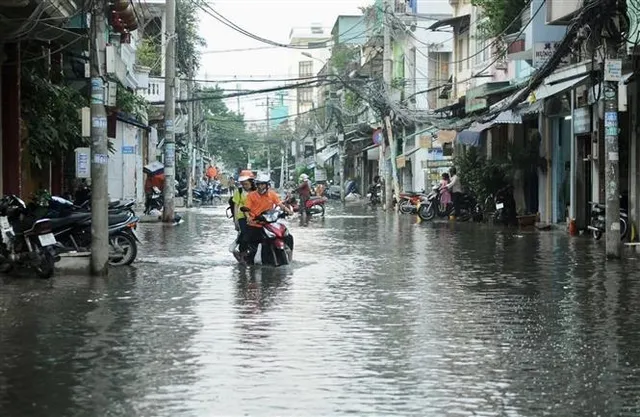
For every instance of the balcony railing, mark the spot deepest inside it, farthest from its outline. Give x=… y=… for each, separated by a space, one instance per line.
x=155 y=92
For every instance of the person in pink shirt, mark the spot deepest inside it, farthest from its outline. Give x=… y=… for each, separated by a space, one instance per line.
x=445 y=194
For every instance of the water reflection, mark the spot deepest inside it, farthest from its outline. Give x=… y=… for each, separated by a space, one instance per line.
x=377 y=315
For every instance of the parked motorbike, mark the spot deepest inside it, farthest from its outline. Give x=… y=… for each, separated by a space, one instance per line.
x=598 y=221
x=505 y=206
x=408 y=202
x=25 y=241
x=277 y=242
x=209 y=195
x=314 y=205
x=374 y=195
x=154 y=201
x=430 y=207
x=59 y=206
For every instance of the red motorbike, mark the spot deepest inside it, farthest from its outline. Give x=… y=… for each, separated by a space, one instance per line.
x=277 y=242
x=314 y=205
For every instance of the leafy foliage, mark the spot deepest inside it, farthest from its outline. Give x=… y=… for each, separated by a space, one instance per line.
x=498 y=16
x=342 y=55
x=51 y=116
x=129 y=102
x=188 y=39
x=149 y=54
x=480 y=175
x=228 y=138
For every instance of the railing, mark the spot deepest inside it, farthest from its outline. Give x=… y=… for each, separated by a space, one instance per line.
x=155 y=92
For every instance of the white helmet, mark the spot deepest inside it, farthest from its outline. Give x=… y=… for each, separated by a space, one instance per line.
x=263 y=179
x=304 y=177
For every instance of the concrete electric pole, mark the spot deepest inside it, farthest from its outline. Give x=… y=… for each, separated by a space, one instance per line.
x=613 y=67
x=190 y=149
x=99 y=145
x=168 y=214
x=386 y=74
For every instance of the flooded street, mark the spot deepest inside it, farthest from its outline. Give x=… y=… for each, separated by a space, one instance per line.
x=376 y=316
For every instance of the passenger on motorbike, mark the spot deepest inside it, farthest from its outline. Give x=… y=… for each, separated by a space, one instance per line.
x=259 y=201
x=239 y=199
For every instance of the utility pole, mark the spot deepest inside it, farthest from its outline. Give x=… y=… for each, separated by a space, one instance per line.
x=612 y=169
x=168 y=214
x=386 y=74
x=190 y=148
x=99 y=145
x=268 y=138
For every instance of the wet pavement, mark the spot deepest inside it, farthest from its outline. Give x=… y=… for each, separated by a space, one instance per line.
x=376 y=316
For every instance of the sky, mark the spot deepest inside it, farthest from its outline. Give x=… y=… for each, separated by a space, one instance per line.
x=271 y=19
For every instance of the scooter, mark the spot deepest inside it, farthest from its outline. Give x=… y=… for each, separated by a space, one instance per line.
x=598 y=221
x=25 y=241
x=314 y=205
x=277 y=242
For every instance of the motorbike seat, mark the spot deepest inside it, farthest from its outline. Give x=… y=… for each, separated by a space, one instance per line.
x=62 y=222
x=315 y=197
x=114 y=204
x=118 y=218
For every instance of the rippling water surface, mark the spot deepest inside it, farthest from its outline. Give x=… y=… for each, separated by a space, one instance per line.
x=376 y=316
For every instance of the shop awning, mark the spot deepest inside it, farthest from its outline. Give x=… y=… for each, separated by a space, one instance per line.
x=326 y=155
x=469 y=138
x=452 y=21
x=544 y=90
x=446 y=136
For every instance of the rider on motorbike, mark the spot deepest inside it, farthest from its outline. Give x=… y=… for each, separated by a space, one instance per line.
x=239 y=199
x=259 y=201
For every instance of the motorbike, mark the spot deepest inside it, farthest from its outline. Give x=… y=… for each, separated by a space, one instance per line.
x=505 y=206
x=374 y=195
x=314 y=205
x=598 y=221
x=71 y=225
x=209 y=195
x=154 y=201
x=277 y=242
x=25 y=241
x=430 y=207
x=408 y=202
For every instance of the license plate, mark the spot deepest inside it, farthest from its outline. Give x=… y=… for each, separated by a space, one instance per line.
x=47 y=240
x=4 y=223
x=499 y=206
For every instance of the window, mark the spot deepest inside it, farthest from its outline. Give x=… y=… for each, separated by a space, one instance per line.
x=305 y=95
x=305 y=68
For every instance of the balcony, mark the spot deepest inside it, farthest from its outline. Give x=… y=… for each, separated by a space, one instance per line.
x=560 y=12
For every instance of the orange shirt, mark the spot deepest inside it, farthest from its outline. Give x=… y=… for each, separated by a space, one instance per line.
x=259 y=203
x=212 y=172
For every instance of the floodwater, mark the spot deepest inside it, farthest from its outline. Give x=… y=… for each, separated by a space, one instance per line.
x=376 y=316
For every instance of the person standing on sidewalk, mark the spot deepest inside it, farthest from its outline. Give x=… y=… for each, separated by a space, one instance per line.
x=455 y=186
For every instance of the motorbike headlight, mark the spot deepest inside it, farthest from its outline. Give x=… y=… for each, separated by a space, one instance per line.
x=269 y=233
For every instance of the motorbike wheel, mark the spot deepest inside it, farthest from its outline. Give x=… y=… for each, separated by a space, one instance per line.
x=45 y=266
x=597 y=234
x=123 y=249
x=6 y=267
x=406 y=207
x=623 y=229
x=427 y=212
x=282 y=258
x=316 y=209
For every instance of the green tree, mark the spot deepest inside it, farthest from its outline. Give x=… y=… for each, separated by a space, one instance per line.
x=188 y=39
x=228 y=138
x=499 y=16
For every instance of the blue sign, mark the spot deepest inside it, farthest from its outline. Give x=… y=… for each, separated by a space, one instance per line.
x=128 y=150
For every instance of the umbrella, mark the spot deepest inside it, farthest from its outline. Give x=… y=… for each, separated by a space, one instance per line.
x=153 y=168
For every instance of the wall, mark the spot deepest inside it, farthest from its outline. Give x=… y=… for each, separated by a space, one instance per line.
x=125 y=169
x=351 y=30
x=559 y=9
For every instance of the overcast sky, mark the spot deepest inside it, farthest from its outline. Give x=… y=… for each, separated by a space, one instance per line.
x=271 y=19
